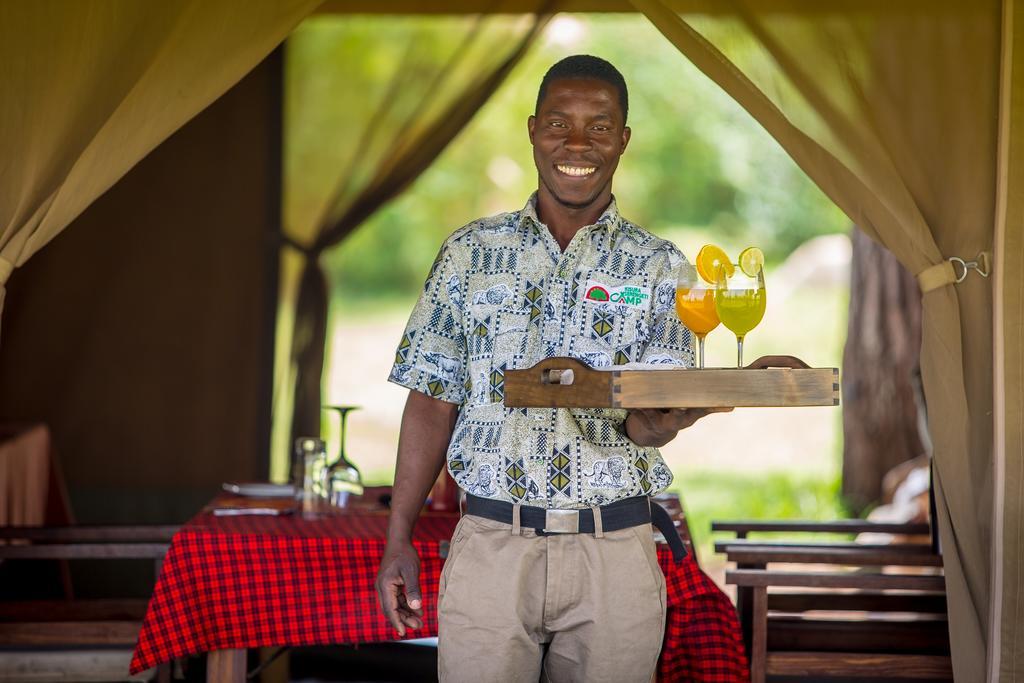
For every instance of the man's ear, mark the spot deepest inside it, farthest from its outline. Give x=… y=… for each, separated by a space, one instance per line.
x=626 y=133
x=531 y=123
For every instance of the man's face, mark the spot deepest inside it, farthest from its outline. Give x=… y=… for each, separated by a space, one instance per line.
x=578 y=135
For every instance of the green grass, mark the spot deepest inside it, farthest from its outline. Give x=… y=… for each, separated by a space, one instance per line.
x=717 y=496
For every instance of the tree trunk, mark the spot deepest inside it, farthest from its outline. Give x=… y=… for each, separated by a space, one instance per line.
x=882 y=397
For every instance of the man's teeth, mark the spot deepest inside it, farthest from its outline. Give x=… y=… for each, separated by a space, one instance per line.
x=576 y=170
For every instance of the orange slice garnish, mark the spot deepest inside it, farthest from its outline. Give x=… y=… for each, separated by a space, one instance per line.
x=709 y=259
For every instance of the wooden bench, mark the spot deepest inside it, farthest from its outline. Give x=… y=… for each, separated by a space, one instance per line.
x=75 y=639
x=850 y=620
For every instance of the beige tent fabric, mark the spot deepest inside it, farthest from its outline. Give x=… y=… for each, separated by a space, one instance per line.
x=91 y=87
x=1006 y=648
x=891 y=108
x=377 y=130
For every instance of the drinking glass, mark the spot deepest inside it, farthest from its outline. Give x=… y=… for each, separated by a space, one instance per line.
x=740 y=303
x=311 y=459
x=695 y=304
x=342 y=478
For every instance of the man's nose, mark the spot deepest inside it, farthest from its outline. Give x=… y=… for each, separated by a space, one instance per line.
x=577 y=140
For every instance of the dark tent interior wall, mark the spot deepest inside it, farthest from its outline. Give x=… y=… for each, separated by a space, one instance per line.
x=142 y=336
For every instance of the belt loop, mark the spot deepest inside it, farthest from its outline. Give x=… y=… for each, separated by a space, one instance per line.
x=598 y=525
x=516 y=531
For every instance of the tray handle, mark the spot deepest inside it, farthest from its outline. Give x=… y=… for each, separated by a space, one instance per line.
x=565 y=377
x=558 y=382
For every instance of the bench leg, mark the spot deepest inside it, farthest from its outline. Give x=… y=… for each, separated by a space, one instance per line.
x=759 y=646
x=225 y=666
x=744 y=608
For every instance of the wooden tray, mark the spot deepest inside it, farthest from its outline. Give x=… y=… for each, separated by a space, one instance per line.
x=569 y=383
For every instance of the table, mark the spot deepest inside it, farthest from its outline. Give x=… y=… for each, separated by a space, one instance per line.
x=233 y=583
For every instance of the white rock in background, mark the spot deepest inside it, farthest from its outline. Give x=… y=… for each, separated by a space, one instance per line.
x=819 y=262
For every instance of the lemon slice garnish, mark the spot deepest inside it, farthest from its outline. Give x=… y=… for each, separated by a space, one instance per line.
x=751 y=261
x=709 y=259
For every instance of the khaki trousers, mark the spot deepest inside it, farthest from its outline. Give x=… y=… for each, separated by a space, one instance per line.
x=559 y=608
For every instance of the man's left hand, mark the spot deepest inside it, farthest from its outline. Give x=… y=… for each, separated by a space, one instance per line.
x=777 y=362
x=658 y=426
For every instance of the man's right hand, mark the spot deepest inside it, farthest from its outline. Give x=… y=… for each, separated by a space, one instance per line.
x=398 y=586
x=427 y=425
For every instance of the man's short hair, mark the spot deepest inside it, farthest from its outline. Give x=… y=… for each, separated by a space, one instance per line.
x=586 y=66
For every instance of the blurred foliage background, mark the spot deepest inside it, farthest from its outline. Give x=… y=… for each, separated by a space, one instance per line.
x=698 y=167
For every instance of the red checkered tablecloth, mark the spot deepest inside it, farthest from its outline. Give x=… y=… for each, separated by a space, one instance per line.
x=254 y=581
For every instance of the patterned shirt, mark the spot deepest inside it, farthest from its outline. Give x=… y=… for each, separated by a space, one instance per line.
x=502 y=294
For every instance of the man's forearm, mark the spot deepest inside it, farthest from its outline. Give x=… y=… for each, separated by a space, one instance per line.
x=427 y=425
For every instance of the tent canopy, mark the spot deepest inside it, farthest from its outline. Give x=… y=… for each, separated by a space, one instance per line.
x=834 y=93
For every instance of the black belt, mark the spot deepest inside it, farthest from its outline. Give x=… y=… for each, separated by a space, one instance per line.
x=622 y=514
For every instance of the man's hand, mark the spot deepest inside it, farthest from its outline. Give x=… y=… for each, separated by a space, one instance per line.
x=398 y=587
x=657 y=426
x=777 y=362
x=427 y=425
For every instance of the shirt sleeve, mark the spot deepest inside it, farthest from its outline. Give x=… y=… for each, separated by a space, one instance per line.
x=432 y=355
x=670 y=342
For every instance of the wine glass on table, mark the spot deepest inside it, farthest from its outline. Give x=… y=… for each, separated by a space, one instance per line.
x=740 y=295
x=695 y=305
x=342 y=478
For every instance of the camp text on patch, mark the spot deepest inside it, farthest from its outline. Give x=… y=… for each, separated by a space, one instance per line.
x=629 y=295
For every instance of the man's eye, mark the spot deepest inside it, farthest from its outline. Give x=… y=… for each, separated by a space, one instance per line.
x=600 y=129
x=557 y=124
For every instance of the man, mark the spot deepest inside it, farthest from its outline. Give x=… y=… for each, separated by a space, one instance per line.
x=528 y=589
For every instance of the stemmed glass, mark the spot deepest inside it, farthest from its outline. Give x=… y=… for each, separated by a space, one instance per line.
x=740 y=302
x=695 y=304
x=342 y=478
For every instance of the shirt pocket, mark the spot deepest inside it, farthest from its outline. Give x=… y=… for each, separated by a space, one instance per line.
x=620 y=330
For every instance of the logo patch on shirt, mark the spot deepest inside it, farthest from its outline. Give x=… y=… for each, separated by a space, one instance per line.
x=630 y=295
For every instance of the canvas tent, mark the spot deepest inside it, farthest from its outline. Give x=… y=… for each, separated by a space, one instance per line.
x=908 y=115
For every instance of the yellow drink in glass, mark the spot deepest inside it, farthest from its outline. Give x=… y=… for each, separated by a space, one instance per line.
x=740 y=302
x=740 y=309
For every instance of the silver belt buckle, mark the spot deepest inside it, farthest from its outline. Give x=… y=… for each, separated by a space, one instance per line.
x=562 y=522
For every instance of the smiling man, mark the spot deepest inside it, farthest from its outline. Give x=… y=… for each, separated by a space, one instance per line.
x=553 y=568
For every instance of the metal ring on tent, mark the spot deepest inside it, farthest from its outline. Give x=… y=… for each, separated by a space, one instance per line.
x=980 y=264
x=947 y=272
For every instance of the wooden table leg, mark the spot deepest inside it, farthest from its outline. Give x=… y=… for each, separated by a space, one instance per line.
x=759 y=647
x=744 y=597
x=225 y=666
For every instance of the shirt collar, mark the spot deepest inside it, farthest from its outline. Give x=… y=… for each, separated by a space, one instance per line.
x=610 y=219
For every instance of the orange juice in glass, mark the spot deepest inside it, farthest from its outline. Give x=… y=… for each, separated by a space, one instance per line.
x=695 y=304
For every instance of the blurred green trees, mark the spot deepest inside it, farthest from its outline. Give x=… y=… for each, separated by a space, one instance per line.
x=698 y=167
